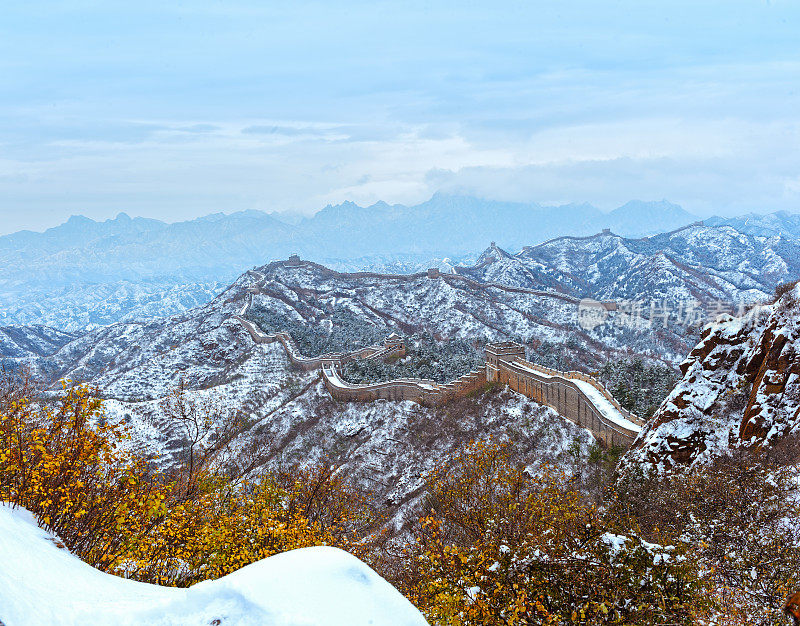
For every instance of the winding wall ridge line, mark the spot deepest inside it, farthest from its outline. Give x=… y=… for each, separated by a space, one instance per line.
x=328 y=272
x=505 y=364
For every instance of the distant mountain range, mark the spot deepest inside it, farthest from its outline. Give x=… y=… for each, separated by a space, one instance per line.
x=85 y=274
x=452 y=225
x=778 y=223
x=697 y=262
x=444 y=225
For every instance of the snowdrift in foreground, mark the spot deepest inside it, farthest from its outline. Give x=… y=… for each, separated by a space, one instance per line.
x=43 y=584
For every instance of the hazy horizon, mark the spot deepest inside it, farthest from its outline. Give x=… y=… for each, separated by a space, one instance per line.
x=174 y=112
x=287 y=216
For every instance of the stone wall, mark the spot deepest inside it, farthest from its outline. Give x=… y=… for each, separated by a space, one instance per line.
x=505 y=365
x=591 y=407
x=420 y=390
x=466 y=384
x=562 y=391
x=425 y=392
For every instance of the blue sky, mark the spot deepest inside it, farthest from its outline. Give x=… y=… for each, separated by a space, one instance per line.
x=174 y=110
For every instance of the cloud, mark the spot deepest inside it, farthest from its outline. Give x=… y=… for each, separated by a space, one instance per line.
x=277 y=130
x=176 y=111
x=198 y=128
x=728 y=166
x=721 y=185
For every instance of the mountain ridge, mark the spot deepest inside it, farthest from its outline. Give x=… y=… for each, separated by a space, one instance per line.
x=124 y=265
x=695 y=261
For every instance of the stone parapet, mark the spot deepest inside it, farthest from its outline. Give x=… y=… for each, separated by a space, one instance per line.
x=589 y=405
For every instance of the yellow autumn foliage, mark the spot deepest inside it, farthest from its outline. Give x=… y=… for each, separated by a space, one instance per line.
x=67 y=465
x=70 y=467
x=503 y=545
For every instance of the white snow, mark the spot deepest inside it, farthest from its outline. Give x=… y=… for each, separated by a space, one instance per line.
x=532 y=370
x=41 y=584
x=603 y=405
x=615 y=542
x=333 y=377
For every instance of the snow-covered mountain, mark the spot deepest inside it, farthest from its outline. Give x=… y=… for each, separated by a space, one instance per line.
x=532 y=296
x=84 y=274
x=765 y=225
x=386 y=446
x=78 y=307
x=19 y=342
x=206 y=346
x=25 y=346
x=740 y=388
x=697 y=262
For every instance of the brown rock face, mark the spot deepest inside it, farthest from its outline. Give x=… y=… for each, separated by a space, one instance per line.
x=740 y=388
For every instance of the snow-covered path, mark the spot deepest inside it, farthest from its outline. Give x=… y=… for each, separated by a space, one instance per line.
x=603 y=405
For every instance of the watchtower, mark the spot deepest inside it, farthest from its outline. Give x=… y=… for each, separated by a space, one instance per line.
x=397 y=342
x=504 y=351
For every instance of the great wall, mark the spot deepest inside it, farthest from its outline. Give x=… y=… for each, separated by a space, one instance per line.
x=574 y=395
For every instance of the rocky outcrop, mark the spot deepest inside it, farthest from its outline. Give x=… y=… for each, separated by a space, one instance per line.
x=740 y=388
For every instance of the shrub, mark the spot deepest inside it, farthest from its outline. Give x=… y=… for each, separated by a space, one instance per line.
x=217 y=532
x=501 y=547
x=67 y=465
x=739 y=513
x=784 y=288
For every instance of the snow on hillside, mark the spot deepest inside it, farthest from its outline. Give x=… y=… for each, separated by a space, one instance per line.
x=43 y=584
x=25 y=347
x=740 y=388
x=81 y=306
x=140 y=361
x=697 y=262
x=779 y=223
x=450 y=306
x=85 y=274
x=386 y=447
x=31 y=341
x=389 y=448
